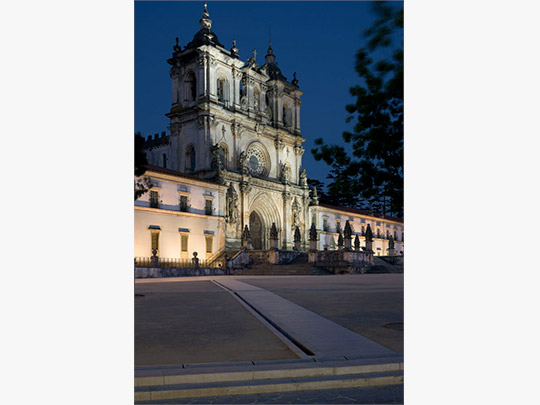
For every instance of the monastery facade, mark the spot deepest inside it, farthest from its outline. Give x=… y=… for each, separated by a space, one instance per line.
x=233 y=159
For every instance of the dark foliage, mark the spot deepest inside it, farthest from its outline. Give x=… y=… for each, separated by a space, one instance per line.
x=372 y=169
x=141 y=185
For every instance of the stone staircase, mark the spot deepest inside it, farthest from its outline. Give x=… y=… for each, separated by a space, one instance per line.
x=381 y=266
x=299 y=266
x=163 y=385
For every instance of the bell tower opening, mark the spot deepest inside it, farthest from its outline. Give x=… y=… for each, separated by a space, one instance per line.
x=256 y=230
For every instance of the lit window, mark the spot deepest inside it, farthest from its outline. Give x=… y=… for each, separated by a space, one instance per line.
x=155 y=242
x=184 y=243
x=223 y=155
x=209 y=244
x=190 y=159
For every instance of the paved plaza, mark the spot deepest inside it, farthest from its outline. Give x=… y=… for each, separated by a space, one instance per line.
x=198 y=322
x=256 y=322
x=370 y=305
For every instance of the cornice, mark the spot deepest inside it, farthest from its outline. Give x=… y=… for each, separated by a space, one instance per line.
x=345 y=213
x=178 y=213
x=179 y=179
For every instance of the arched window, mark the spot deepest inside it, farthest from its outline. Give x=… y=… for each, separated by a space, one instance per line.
x=287 y=116
x=222 y=89
x=256 y=99
x=164 y=158
x=190 y=159
x=223 y=154
x=190 y=89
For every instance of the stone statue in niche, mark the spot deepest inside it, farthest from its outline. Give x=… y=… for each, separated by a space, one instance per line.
x=268 y=112
x=303 y=178
x=256 y=101
x=295 y=213
x=243 y=163
x=232 y=205
x=273 y=232
x=217 y=164
x=285 y=173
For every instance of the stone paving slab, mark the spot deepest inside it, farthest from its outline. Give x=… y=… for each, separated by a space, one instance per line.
x=198 y=322
x=322 y=336
x=368 y=304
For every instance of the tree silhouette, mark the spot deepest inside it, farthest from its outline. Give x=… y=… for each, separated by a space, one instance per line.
x=141 y=185
x=374 y=169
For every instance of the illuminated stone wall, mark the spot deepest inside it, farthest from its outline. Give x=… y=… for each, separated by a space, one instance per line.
x=335 y=216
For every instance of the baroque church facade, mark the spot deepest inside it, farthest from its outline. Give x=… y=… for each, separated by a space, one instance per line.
x=233 y=159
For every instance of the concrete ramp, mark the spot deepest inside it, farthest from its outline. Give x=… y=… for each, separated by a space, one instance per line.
x=315 y=335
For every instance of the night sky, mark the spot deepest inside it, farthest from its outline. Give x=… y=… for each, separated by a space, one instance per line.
x=317 y=40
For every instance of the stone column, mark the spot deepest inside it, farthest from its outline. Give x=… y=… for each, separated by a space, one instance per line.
x=278 y=143
x=298 y=152
x=235 y=129
x=297 y=104
x=237 y=76
x=286 y=219
x=244 y=191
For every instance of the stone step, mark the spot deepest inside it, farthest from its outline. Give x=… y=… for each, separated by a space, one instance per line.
x=298 y=378
x=298 y=266
x=190 y=373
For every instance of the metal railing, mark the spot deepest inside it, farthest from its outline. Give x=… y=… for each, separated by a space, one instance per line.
x=175 y=262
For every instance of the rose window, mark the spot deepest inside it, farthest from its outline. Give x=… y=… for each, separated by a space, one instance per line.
x=257 y=160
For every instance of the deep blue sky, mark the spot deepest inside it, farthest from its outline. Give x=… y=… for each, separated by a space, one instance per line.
x=318 y=40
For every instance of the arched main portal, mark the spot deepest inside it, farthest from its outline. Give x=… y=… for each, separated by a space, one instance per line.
x=267 y=211
x=256 y=230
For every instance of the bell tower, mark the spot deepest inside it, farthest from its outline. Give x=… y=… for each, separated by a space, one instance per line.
x=205 y=80
x=237 y=123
